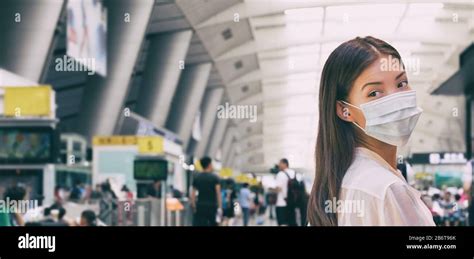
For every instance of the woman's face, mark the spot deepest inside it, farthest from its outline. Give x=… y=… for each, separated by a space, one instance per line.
x=373 y=83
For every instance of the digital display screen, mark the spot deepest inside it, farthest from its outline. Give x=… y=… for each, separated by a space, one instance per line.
x=150 y=169
x=26 y=145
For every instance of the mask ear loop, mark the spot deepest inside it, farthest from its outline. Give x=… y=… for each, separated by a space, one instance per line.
x=353 y=122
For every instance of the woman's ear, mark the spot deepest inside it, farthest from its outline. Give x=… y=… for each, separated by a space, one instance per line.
x=343 y=112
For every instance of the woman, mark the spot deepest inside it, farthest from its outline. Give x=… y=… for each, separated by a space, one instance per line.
x=366 y=110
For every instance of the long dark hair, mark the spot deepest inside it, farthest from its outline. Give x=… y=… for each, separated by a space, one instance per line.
x=337 y=139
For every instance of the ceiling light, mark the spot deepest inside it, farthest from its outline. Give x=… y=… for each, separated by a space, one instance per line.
x=227 y=34
x=238 y=64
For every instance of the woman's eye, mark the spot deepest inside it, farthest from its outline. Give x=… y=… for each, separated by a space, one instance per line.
x=373 y=94
x=403 y=84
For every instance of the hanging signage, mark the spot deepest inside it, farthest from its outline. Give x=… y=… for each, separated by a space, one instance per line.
x=226 y=172
x=447 y=158
x=86 y=37
x=150 y=145
x=145 y=144
x=29 y=101
x=114 y=140
x=438 y=158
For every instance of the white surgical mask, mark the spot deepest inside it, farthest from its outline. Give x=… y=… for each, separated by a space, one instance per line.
x=391 y=119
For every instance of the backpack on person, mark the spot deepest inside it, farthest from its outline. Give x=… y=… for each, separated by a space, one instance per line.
x=296 y=192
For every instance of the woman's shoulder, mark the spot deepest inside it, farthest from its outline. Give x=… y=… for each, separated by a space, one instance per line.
x=368 y=176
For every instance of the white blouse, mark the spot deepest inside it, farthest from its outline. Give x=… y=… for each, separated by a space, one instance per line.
x=375 y=194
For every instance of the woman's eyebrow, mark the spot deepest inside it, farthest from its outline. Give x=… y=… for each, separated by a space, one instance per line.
x=371 y=83
x=401 y=74
x=380 y=83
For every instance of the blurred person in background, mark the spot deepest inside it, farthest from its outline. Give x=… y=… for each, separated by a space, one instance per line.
x=271 y=198
x=402 y=167
x=436 y=209
x=96 y=194
x=259 y=203
x=367 y=110
x=154 y=190
x=447 y=204
x=87 y=192
x=77 y=192
x=175 y=192
x=54 y=216
x=12 y=218
x=127 y=203
x=228 y=200
x=107 y=192
x=303 y=204
x=88 y=219
x=244 y=202
x=108 y=202
x=459 y=214
x=127 y=194
x=59 y=194
x=285 y=208
x=206 y=199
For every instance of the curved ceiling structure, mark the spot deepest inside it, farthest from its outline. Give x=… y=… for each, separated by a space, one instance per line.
x=269 y=55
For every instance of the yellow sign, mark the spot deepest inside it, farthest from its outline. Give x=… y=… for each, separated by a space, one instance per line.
x=114 y=140
x=242 y=178
x=197 y=166
x=253 y=181
x=150 y=145
x=226 y=172
x=20 y=101
x=146 y=145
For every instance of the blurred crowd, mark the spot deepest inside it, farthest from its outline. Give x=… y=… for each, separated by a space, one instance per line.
x=56 y=214
x=225 y=202
x=449 y=207
x=214 y=201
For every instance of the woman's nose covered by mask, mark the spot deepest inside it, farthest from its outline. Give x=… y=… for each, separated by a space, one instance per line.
x=391 y=119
